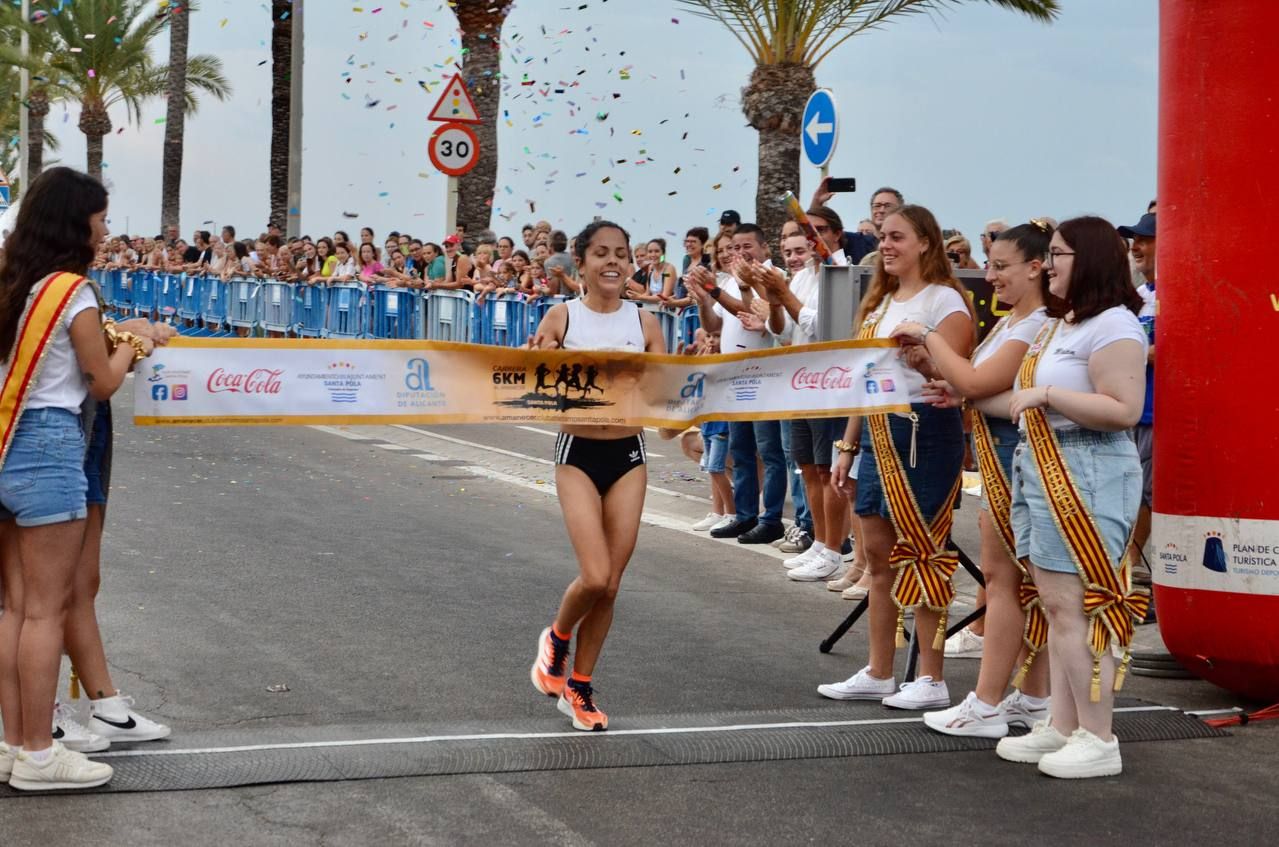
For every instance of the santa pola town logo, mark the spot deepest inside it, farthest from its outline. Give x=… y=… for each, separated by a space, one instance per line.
x=342 y=383
x=256 y=381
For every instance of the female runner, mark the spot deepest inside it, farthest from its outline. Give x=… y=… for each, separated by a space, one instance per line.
x=1019 y=279
x=907 y=485
x=600 y=474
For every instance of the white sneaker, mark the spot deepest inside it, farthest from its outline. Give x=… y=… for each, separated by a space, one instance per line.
x=727 y=520
x=859 y=686
x=115 y=719
x=802 y=559
x=707 y=522
x=1018 y=710
x=970 y=718
x=1031 y=747
x=62 y=770
x=923 y=693
x=74 y=735
x=964 y=644
x=823 y=566
x=1084 y=756
x=8 y=755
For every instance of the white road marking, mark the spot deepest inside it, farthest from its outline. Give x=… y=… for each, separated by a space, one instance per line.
x=342 y=433
x=392 y=446
x=524 y=736
x=655 y=489
x=549 y=432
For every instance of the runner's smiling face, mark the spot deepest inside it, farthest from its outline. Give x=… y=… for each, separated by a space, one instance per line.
x=607 y=263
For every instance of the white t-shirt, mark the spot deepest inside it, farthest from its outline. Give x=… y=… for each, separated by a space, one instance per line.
x=1023 y=330
x=806 y=285
x=61 y=382
x=734 y=338
x=1147 y=292
x=929 y=307
x=1064 y=362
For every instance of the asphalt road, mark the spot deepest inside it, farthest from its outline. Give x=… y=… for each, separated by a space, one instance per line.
x=399 y=576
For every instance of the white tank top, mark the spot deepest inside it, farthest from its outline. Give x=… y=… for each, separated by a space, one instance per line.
x=590 y=330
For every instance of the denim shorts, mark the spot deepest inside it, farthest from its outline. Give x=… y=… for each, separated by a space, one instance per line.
x=1107 y=474
x=714 y=453
x=939 y=460
x=97 y=459
x=1006 y=436
x=42 y=481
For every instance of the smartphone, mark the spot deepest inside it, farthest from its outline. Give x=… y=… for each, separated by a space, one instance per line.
x=841 y=185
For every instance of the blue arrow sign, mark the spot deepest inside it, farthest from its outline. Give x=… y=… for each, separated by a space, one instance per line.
x=820 y=128
x=4 y=194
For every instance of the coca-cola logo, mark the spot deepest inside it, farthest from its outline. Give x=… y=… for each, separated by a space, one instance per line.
x=257 y=381
x=833 y=378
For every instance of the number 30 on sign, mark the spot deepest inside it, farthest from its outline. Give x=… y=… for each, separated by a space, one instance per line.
x=454 y=149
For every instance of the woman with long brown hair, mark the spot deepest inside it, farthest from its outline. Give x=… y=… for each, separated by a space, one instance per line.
x=54 y=355
x=909 y=481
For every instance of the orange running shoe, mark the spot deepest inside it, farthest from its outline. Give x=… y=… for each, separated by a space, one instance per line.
x=578 y=703
x=547 y=672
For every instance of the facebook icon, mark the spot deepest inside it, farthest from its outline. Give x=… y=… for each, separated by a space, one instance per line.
x=159 y=392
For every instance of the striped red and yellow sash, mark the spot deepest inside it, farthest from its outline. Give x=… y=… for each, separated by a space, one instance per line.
x=923 y=564
x=46 y=305
x=999 y=494
x=1110 y=603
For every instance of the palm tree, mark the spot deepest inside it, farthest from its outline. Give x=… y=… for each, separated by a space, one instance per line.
x=281 y=107
x=175 y=117
x=98 y=54
x=481 y=24
x=788 y=39
x=37 y=103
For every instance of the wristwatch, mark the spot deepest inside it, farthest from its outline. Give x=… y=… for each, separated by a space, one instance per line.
x=714 y=291
x=844 y=447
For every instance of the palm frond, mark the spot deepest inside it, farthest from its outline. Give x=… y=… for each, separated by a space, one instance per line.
x=806 y=31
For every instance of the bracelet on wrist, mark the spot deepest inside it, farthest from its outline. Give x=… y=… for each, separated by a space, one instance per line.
x=845 y=447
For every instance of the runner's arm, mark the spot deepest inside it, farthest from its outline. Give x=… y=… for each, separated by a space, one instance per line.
x=550 y=332
x=654 y=341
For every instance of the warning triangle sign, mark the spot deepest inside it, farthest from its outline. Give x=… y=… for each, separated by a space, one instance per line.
x=455 y=104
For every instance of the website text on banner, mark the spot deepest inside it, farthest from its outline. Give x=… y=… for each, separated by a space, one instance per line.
x=205 y=382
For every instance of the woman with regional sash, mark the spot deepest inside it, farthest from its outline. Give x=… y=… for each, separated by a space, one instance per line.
x=1076 y=490
x=908 y=484
x=51 y=335
x=1017 y=274
x=600 y=474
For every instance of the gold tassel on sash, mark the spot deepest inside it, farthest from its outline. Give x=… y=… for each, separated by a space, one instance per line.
x=1110 y=603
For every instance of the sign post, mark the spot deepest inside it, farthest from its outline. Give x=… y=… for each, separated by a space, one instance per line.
x=454 y=148
x=820 y=129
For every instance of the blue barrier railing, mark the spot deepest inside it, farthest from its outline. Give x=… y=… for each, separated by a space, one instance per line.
x=210 y=306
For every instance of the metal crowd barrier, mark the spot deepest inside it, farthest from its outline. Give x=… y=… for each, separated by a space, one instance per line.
x=199 y=305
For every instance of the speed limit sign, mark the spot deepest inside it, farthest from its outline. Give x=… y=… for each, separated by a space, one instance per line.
x=454 y=149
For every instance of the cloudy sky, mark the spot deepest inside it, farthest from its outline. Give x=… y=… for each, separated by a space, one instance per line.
x=977 y=114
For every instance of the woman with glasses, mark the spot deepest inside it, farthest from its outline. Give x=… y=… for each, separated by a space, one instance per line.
x=909 y=481
x=1018 y=277
x=1076 y=490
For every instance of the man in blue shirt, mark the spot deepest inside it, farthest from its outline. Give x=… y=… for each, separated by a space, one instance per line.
x=1142 y=236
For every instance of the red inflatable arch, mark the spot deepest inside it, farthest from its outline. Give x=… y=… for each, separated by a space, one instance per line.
x=1216 y=497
